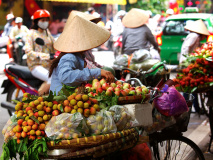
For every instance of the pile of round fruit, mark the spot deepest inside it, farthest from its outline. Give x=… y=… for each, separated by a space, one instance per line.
x=33 y=113
x=199 y=72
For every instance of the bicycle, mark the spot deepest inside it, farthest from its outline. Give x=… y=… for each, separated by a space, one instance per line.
x=206 y=97
x=170 y=143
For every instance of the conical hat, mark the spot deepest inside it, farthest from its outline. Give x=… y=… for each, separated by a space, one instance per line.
x=80 y=34
x=198 y=27
x=87 y=16
x=135 y=18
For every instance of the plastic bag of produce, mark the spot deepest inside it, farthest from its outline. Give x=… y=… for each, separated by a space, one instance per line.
x=159 y=122
x=140 y=55
x=67 y=126
x=145 y=65
x=171 y=103
x=8 y=130
x=101 y=123
x=121 y=60
x=122 y=117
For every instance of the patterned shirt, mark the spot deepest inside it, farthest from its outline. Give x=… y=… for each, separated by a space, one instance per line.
x=37 y=54
x=90 y=60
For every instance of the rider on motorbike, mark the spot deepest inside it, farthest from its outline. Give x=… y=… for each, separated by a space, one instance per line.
x=39 y=56
x=20 y=31
x=9 y=25
x=136 y=35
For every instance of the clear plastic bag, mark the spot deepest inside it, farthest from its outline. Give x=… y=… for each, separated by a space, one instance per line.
x=140 y=56
x=121 y=60
x=67 y=126
x=101 y=123
x=122 y=117
x=8 y=131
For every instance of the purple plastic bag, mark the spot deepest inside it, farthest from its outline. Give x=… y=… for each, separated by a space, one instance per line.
x=171 y=103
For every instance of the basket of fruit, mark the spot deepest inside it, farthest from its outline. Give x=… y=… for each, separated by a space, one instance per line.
x=197 y=75
x=76 y=124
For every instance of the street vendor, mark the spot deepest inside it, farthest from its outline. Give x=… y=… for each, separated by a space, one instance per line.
x=69 y=68
x=198 y=32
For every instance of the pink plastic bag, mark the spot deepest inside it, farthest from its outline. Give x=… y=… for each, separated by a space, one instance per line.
x=171 y=103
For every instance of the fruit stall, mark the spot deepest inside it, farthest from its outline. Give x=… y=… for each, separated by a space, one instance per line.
x=92 y=120
x=197 y=73
x=197 y=77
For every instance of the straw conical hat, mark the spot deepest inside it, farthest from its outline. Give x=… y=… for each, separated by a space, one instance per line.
x=135 y=18
x=198 y=27
x=86 y=16
x=80 y=34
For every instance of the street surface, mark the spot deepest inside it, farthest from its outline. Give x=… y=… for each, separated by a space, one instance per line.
x=198 y=129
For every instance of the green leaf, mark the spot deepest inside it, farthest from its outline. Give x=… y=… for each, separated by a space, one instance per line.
x=15 y=101
x=193 y=89
x=50 y=97
x=61 y=108
x=209 y=59
x=59 y=98
x=35 y=119
x=211 y=84
x=13 y=118
x=6 y=152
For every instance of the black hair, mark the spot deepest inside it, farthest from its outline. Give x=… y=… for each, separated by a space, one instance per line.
x=90 y=10
x=35 y=24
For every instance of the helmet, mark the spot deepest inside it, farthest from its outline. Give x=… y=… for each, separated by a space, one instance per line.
x=41 y=13
x=10 y=16
x=121 y=13
x=169 y=11
x=18 y=20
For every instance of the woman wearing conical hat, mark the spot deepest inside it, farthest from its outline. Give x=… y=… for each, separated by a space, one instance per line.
x=79 y=35
x=136 y=34
x=198 y=32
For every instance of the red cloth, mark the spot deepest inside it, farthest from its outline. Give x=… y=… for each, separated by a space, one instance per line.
x=31 y=6
x=8 y=49
x=139 y=152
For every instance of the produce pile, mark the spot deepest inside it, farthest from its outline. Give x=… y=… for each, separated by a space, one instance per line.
x=199 y=70
x=68 y=115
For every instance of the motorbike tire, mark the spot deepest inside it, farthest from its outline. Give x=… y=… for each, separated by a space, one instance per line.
x=11 y=91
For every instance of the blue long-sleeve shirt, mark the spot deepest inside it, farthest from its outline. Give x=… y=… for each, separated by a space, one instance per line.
x=70 y=71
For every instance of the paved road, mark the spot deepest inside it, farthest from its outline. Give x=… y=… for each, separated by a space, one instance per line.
x=198 y=129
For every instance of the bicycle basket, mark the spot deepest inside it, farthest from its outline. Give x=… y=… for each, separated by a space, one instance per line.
x=182 y=121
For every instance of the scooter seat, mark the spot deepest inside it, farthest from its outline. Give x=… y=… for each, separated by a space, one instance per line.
x=21 y=71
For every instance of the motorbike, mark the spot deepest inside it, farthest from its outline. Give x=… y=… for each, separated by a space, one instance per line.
x=117 y=45
x=20 y=80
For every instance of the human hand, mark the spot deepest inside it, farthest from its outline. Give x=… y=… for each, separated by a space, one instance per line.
x=107 y=75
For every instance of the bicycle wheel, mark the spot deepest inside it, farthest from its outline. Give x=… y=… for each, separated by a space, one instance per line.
x=177 y=148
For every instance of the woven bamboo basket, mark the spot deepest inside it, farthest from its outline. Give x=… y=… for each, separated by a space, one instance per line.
x=204 y=88
x=133 y=99
x=95 y=146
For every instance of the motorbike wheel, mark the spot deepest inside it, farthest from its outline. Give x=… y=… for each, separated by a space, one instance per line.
x=117 y=51
x=14 y=94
